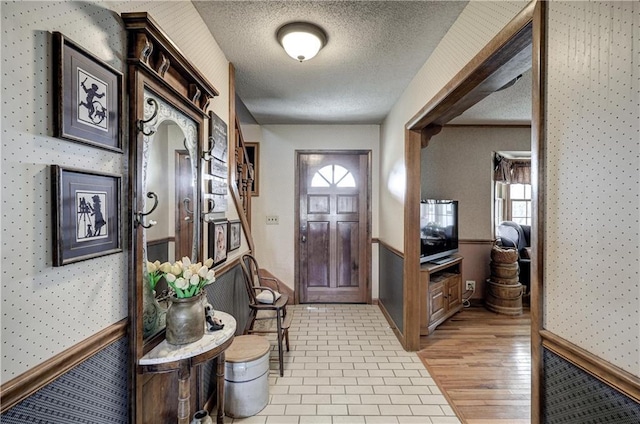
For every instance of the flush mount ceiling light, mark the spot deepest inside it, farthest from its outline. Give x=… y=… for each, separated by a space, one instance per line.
x=301 y=40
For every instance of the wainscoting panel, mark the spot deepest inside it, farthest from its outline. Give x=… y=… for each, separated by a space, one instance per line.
x=227 y=294
x=391 y=285
x=95 y=391
x=572 y=395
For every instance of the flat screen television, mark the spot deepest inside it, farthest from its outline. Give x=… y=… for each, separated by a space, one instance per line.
x=438 y=230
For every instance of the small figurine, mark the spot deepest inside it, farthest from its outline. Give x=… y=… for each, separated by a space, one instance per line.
x=214 y=323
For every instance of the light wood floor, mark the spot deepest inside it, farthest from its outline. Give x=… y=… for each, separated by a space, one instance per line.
x=482 y=363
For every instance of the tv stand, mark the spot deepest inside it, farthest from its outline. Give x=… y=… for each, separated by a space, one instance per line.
x=440 y=292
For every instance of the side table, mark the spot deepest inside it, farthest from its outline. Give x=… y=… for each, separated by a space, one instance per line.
x=166 y=358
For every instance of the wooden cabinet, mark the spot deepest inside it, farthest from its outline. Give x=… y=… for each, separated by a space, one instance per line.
x=440 y=293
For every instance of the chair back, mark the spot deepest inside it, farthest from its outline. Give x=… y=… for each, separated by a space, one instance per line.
x=250 y=271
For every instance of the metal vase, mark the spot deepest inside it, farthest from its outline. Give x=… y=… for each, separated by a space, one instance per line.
x=185 y=320
x=202 y=417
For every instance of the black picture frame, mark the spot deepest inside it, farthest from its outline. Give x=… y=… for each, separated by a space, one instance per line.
x=235 y=234
x=218 y=239
x=86 y=214
x=88 y=97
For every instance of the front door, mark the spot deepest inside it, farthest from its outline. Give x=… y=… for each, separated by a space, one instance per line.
x=334 y=240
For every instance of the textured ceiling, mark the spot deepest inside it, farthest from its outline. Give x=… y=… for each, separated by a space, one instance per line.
x=374 y=49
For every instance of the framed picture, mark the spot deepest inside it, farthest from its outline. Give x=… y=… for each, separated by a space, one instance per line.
x=86 y=214
x=88 y=105
x=217 y=168
x=235 y=231
x=218 y=145
x=253 y=156
x=218 y=240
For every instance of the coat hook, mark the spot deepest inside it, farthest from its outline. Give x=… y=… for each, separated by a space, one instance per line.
x=207 y=155
x=186 y=201
x=140 y=215
x=212 y=206
x=141 y=122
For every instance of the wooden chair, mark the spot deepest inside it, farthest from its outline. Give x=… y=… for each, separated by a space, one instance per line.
x=263 y=298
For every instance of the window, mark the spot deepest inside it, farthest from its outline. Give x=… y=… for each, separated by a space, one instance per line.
x=512 y=202
x=333 y=175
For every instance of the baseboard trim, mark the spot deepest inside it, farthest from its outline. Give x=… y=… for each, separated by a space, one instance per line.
x=611 y=375
x=29 y=382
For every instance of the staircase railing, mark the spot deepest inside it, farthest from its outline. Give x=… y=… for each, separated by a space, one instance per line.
x=244 y=172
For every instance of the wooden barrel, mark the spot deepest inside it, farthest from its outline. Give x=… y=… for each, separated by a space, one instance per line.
x=506 y=281
x=504 y=299
x=504 y=270
x=503 y=255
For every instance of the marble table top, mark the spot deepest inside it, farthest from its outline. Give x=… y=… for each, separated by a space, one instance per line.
x=166 y=352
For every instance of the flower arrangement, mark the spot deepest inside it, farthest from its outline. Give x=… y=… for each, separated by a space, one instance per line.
x=185 y=279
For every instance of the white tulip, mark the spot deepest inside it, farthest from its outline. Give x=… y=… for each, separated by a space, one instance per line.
x=194 y=280
x=208 y=263
x=202 y=272
x=186 y=262
x=165 y=267
x=211 y=276
x=187 y=274
x=170 y=278
x=176 y=270
x=181 y=283
x=151 y=267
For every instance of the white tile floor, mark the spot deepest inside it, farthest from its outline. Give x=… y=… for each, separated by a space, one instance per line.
x=347 y=367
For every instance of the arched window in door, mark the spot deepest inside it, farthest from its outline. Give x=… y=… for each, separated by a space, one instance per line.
x=333 y=176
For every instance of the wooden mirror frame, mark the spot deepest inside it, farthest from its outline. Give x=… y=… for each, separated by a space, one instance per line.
x=155 y=64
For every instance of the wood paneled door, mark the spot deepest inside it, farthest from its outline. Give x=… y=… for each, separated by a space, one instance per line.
x=333 y=228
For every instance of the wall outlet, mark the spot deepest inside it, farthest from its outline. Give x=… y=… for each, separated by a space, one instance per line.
x=471 y=285
x=273 y=220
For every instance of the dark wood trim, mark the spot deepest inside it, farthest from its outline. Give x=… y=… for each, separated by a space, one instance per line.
x=29 y=382
x=428 y=132
x=609 y=374
x=496 y=64
x=411 y=264
x=487 y=126
x=538 y=176
x=148 y=43
x=227 y=266
x=160 y=241
x=233 y=183
x=390 y=248
x=476 y=241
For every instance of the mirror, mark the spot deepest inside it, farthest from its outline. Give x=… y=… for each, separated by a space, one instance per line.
x=170 y=176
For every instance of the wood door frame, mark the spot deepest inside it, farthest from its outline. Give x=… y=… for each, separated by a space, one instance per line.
x=296 y=236
x=481 y=76
x=177 y=182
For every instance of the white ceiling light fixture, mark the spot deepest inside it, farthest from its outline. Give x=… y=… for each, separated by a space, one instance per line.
x=301 y=40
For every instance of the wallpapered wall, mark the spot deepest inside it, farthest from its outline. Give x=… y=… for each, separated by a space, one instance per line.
x=592 y=255
x=457 y=165
x=46 y=310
